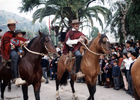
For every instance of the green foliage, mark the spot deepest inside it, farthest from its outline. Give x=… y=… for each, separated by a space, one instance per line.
x=134 y=19
x=94 y=33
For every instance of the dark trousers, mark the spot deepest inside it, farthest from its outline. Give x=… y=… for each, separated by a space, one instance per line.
x=78 y=60
x=14 y=63
x=130 y=87
x=44 y=70
x=116 y=83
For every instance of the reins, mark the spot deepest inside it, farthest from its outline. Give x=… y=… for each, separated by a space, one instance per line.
x=37 y=53
x=88 y=48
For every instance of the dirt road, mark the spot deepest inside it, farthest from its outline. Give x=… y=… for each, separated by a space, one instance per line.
x=48 y=93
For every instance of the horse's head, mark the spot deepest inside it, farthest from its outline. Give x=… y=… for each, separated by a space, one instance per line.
x=103 y=44
x=48 y=46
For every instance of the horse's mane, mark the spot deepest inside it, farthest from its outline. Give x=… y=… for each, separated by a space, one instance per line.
x=29 y=45
x=102 y=36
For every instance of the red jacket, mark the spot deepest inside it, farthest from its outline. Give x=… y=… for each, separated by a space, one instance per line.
x=5 y=44
x=72 y=35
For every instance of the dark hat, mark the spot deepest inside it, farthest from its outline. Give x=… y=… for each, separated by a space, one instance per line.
x=19 y=31
x=128 y=42
x=0 y=30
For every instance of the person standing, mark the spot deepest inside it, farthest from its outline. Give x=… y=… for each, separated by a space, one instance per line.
x=116 y=74
x=44 y=65
x=8 y=53
x=72 y=43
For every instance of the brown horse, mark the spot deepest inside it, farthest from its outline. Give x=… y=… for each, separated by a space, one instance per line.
x=135 y=73
x=89 y=66
x=30 y=65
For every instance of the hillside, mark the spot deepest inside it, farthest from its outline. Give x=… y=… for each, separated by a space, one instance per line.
x=23 y=23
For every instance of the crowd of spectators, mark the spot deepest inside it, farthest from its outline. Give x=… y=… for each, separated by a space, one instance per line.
x=116 y=70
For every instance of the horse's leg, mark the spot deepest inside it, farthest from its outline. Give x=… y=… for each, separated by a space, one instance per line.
x=92 y=90
x=57 y=88
x=25 y=91
x=37 y=90
x=9 y=86
x=58 y=79
x=72 y=87
x=3 y=85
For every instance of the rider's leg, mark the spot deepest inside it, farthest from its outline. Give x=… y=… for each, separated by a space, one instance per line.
x=78 y=62
x=14 y=66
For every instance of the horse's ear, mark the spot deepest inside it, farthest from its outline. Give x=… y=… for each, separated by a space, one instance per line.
x=41 y=34
x=99 y=34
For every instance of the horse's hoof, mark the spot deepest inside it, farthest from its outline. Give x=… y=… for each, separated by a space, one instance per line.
x=76 y=98
x=58 y=98
x=9 y=89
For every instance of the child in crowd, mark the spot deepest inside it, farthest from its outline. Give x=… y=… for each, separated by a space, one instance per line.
x=107 y=75
x=123 y=71
x=116 y=74
x=18 y=40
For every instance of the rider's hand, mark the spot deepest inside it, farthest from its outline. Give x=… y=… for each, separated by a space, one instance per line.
x=80 y=39
x=21 y=42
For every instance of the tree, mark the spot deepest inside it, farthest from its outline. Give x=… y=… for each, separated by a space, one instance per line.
x=94 y=33
x=66 y=10
x=124 y=11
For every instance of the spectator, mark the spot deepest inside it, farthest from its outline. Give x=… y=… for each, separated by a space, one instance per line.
x=134 y=58
x=107 y=71
x=101 y=78
x=128 y=47
x=116 y=74
x=44 y=65
x=123 y=71
x=50 y=67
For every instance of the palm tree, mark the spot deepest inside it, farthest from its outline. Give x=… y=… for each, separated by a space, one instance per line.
x=66 y=10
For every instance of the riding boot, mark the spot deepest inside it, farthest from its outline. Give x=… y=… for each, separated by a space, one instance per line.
x=79 y=74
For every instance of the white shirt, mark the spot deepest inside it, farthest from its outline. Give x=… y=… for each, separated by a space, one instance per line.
x=71 y=42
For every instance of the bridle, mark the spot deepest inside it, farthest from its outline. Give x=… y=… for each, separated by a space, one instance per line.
x=37 y=53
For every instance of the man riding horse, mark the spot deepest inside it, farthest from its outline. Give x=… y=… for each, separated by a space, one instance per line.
x=72 y=43
x=8 y=53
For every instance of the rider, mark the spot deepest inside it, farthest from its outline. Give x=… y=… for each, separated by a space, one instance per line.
x=8 y=53
x=72 y=43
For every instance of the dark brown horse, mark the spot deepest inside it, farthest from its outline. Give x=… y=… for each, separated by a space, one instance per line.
x=89 y=66
x=135 y=73
x=30 y=65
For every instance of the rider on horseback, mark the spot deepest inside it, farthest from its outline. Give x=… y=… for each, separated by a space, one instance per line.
x=72 y=43
x=8 y=53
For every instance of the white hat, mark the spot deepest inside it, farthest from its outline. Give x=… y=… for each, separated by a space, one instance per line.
x=11 y=21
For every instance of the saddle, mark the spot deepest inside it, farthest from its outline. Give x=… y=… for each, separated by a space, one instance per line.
x=70 y=56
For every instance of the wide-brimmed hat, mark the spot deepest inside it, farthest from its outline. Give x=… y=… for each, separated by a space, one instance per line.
x=11 y=21
x=76 y=21
x=19 y=31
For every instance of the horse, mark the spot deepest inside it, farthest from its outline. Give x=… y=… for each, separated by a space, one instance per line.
x=89 y=66
x=135 y=73
x=30 y=65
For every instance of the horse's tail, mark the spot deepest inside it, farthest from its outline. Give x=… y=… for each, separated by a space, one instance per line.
x=135 y=93
x=64 y=78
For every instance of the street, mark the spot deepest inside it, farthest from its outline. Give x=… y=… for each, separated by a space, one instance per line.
x=48 y=92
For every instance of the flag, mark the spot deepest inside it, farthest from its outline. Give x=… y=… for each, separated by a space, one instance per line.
x=49 y=25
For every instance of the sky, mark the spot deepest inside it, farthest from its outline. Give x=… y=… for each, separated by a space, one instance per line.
x=12 y=6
